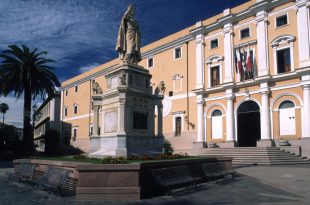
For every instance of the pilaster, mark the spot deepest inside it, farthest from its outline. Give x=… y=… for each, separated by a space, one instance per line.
x=228 y=52
x=306 y=106
x=200 y=114
x=230 y=134
x=200 y=57
x=303 y=32
x=262 y=43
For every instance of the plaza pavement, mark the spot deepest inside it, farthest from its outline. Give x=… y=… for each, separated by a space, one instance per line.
x=287 y=185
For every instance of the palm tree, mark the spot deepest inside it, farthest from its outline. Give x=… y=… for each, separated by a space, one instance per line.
x=3 y=108
x=26 y=72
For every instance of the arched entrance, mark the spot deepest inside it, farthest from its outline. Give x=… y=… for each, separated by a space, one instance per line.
x=248 y=119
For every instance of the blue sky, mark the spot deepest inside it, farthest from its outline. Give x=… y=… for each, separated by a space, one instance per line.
x=81 y=34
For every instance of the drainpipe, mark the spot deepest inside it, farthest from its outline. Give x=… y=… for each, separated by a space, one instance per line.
x=187 y=96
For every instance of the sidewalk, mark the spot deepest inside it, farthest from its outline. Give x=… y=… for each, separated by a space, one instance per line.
x=253 y=185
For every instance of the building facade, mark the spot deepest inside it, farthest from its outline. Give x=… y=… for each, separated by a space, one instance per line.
x=47 y=117
x=240 y=78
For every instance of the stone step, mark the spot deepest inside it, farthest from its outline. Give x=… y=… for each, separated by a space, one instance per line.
x=256 y=155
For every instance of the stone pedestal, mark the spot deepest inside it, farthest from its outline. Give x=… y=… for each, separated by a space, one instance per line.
x=264 y=143
x=228 y=144
x=127 y=114
x=198 y=148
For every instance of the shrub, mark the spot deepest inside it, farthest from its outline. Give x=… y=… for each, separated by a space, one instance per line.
x=168 y=149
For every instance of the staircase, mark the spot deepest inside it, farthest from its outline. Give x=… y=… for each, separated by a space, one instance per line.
x=256 y=155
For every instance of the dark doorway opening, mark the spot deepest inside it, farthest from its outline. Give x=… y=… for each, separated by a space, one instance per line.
x=248 y=124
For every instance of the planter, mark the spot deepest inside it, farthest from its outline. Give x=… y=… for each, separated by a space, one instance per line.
x=284 y=143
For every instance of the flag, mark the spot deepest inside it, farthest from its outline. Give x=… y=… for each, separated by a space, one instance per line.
x=239 y=62
x=236 y=60
x=243 y=59
x=248 y=60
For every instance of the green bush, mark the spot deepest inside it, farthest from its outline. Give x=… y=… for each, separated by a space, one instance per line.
x=168 y=149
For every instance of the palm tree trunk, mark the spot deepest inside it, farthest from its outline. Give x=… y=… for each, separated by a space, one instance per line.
x=27 y=132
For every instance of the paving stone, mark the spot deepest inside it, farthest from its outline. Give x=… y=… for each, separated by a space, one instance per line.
x=252 y=185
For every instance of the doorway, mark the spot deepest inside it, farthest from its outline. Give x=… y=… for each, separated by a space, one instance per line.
x=248 y=119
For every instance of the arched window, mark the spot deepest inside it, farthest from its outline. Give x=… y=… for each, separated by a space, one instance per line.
x=286 y=104
x=287 y=118
x=216 y=124
x=216 y=113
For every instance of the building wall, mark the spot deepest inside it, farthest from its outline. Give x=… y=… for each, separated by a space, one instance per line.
x=181 y=75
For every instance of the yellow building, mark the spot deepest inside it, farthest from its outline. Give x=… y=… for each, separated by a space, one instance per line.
x=240 y=78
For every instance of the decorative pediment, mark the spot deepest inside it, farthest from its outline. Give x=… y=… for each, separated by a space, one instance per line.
x=282 y=39
x=214 y=58
x=177 y=77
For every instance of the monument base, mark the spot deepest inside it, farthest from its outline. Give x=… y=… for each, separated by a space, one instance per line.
x=126 y=145
x=264 y=143
x=227 y=144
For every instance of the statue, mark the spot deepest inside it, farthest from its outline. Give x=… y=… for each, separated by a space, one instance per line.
x=96 y=88
x=122 y=78
x=160 y=89
x=128 y=39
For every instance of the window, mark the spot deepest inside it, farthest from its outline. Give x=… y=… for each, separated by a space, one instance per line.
x=214 y=43
x=281 y=20
x=245 y=33
x=66 y=111
x=284 y=60
x=150 y=62
x=215 y=76
x=178 y=126
x=177 y=53
x=75 y=109
x=76 y=88
x=170 y=93
x=66 y=92
x=74 y=134
x=286 y=104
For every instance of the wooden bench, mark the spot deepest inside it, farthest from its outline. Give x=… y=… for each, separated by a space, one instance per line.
x=174 y=177
x=23 y=172
x=216 y=170
x=57 y=180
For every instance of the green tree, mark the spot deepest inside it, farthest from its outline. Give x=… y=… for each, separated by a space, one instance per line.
x=3 y=108
x=25 y=72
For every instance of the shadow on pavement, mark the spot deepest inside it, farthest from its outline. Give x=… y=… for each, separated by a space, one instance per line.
x=6 y=164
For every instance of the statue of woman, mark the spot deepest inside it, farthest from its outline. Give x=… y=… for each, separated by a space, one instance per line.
x=128 y=39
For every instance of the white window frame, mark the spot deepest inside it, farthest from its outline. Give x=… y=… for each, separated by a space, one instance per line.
x=218 y=43
x=174 y=53
x=217 y=60
x=275 y=20
x=248 y=27
x=147 y=62
x=77 y=108
x=175 y=115
x=275 y=56
x=175 y=78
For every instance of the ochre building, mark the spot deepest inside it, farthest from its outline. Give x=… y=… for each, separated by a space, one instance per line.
x=240 y=78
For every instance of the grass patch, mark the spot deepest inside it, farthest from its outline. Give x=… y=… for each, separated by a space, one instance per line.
x=119 y=160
